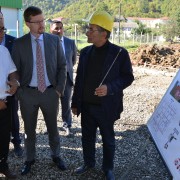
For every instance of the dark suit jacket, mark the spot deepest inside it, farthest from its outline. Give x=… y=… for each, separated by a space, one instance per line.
x=119 y=78
x=70 y=54
x=9 y=40
x=55 y=61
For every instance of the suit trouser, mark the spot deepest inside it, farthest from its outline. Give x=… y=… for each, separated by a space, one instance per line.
x=92 y=117
x=30 y=102
x=5 y=125
x=66 y=102
x=15 y=122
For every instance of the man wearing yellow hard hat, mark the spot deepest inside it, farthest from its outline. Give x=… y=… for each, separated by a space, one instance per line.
x=104 y=71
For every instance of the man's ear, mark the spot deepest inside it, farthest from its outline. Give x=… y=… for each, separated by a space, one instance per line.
x=104 y=34
x=27 y=23
x=51 y=28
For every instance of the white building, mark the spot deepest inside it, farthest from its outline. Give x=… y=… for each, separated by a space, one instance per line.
x=149 y=22
x=13 y=16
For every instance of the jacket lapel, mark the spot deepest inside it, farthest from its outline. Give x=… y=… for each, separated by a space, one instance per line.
x=29 y=52
x=108 y=61
x=47 y=49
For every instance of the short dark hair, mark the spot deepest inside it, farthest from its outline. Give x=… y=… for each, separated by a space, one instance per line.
x=102 y=29
x=56 y=22
x=31 y=11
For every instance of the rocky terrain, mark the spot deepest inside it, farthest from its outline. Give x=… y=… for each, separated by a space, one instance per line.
x=136 y=155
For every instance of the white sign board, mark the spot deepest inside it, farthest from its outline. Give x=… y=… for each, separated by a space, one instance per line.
x=164 y=126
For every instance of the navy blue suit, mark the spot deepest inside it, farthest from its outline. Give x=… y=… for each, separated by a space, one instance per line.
x=9 y=40
x=70 y=55
x=105 y=114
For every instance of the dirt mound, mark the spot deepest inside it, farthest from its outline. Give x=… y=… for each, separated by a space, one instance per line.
x=152 y=55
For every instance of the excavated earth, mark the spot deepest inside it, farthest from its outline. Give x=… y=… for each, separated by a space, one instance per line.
x=157 y=55
x=136 y=155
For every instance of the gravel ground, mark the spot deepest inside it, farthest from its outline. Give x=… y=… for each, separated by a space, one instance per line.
x=136 y=155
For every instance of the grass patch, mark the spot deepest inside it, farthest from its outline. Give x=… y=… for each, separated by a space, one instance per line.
x=130 y=46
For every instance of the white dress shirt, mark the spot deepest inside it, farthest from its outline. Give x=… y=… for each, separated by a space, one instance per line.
x=7 y=67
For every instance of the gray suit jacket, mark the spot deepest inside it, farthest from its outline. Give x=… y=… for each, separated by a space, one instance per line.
x=70 y=54
x=55 y=61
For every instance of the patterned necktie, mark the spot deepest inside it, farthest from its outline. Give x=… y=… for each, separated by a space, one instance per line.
x=40 y=68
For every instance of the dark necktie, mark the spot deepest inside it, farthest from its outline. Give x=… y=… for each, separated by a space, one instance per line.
x=40 y=68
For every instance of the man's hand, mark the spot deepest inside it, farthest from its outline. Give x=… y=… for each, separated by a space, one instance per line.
x=2 y=105
x=13 y=86
x=101 y=91
x=74 y=111
x=59 y=94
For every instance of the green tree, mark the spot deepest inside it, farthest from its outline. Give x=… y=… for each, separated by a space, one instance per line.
x=172 y=28
x=141 y=29
x=175 y=19
x=102 y=6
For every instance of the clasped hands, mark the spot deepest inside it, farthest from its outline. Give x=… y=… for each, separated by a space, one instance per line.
x=13 y=88
x=13 y=84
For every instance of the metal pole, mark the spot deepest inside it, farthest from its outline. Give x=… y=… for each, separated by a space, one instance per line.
x=75 y=25
x=119 y=21
x=112 y=35
x=17 y=28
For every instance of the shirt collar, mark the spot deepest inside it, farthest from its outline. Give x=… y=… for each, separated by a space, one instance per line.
x=62 y=39
x=3 y=41
x=34 y=38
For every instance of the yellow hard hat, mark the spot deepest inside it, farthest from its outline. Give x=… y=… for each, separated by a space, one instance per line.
x=102 y=19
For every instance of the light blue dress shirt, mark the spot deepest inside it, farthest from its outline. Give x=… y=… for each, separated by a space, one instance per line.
x=62 y=42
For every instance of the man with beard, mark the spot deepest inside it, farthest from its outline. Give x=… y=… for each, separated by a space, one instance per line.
x=70 y=49
x=40 y=61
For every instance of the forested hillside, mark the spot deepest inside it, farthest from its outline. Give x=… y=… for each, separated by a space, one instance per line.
x=49 y=6
x=78 y=9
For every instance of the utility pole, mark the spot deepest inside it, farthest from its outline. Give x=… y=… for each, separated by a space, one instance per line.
x=75 y=34
x=119 y=21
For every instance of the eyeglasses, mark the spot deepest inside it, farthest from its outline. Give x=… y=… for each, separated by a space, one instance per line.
x=3 y=29
x=37 y=22
x=90 y=30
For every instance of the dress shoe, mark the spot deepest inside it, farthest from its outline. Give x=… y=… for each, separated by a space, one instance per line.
x=82 y=169
x=18 y=151
x=27 y=167
x=59 y=163
x=9 y=174
x=109 y=175
x=67 y=129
